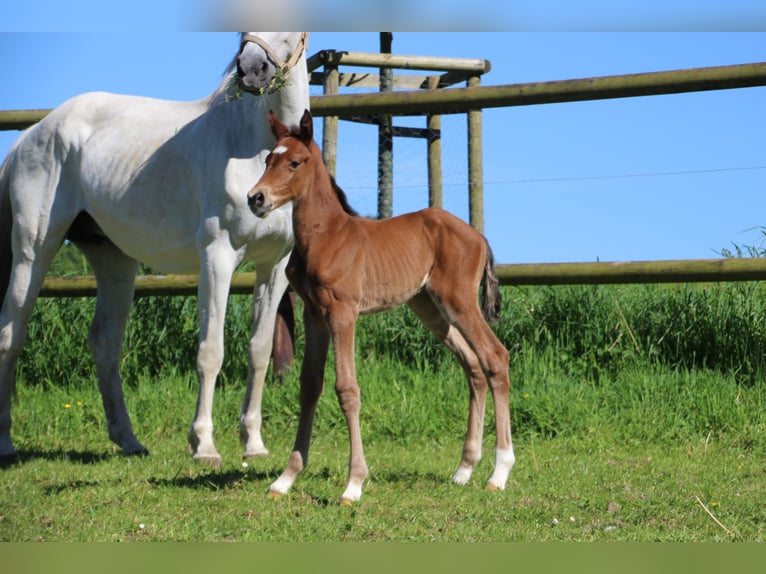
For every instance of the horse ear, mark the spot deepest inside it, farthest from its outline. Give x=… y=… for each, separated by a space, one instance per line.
x=278 y=129
x=307 y=127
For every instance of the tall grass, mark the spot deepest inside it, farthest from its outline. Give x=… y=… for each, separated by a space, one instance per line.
x=588 y=331
x=596 y=329
x=672 y=357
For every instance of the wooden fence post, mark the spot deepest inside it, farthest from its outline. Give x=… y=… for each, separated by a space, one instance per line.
x=475 y=166
x=386 y=139
x=434 y=144
x=330 y=82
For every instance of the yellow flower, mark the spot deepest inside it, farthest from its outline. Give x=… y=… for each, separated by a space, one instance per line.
x=79 y=403
x=67 y=406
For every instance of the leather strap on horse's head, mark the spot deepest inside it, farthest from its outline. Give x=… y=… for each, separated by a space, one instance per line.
x=283 y=67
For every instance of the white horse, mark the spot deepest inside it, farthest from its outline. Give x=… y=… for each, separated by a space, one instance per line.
x=131 y=179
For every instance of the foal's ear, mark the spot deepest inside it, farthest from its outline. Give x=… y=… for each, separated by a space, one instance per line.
x=278 y=129
x=307 y=128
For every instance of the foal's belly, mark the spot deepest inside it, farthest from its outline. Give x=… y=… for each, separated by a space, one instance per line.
x=387 y=294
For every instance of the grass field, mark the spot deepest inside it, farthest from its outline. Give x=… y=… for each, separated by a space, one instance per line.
x=638 y=415
x=596 y=483
x=656 y=467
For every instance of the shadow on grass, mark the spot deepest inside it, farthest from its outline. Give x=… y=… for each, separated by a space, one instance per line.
x=409 y=477
x=79 y=457
x=214 y=479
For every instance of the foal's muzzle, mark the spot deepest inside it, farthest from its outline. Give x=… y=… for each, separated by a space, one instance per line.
x=256 y=200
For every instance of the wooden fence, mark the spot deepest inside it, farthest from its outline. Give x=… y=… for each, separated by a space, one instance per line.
x=670 y=271
x=462 y=100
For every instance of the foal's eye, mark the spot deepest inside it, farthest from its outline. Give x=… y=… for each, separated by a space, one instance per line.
x=294 y=164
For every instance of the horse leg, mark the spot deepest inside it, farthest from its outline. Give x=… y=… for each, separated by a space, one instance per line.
x=342 y=323
x=270 y=285
x=312 y=383
x=115 y=279
x=493 y=359
x=31 y=258
x=217 y=267
x=429 y=314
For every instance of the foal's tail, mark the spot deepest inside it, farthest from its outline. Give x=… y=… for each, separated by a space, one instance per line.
x=6 y=221
x=491 y=301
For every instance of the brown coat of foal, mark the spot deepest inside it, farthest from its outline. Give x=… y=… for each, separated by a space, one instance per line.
x=343 y=265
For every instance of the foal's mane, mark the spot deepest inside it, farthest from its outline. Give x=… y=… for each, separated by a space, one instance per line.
x=342 y=198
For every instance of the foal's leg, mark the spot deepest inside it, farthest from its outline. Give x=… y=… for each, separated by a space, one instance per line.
x=342 y=322
x=312 y=382
x=429 y=314
x=115 y=278
x=271 y=283
x=493 y=359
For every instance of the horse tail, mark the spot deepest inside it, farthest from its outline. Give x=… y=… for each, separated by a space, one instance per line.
x=6 y=222
x=491 y=300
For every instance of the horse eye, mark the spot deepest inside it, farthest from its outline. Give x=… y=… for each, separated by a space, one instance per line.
x=294 y=164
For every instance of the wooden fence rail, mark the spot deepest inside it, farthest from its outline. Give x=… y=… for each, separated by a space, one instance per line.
x=671 y=271
x=461 y=100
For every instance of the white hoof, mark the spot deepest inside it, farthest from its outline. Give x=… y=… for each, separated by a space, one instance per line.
x=256 y=452
x=462 y=475
x=352 y=493
x=211 y=460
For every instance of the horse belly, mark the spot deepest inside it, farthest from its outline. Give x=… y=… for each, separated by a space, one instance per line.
x=147 y=227
x=139 y=186
x=151 y=242
x=389 y=288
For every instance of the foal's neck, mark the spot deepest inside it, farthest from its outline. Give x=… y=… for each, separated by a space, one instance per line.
x=317 y=211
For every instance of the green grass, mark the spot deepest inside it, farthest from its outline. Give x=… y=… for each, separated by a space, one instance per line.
x=638 y=415
x=590 y=467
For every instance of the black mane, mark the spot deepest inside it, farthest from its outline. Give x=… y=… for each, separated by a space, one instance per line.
x=342 y=198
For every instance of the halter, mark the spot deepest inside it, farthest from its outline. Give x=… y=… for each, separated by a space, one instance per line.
x=283 y=68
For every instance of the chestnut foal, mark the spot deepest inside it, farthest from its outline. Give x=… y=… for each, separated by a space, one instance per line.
x=343 y=265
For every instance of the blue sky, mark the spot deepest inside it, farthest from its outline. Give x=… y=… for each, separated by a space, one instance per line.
x=372 y=15
x=661 y=177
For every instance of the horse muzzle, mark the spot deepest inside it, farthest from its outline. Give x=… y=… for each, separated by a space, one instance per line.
x=255 y=79
x=256 y=201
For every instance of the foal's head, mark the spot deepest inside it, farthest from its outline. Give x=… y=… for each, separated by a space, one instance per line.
x=287 y=173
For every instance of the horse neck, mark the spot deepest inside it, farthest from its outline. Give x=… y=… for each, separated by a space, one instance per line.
x=293 y=99
x=250 y=110
x=317 y=211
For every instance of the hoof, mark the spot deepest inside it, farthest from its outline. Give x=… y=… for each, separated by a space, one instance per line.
x=212 y=461
x=256 y=453
x=492 y=487
x=462 y=475
x=346 y=502
x=274 y=495
x=137 y=452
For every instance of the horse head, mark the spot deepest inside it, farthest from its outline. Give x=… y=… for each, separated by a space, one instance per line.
x=286 y=170
x=265 y=59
